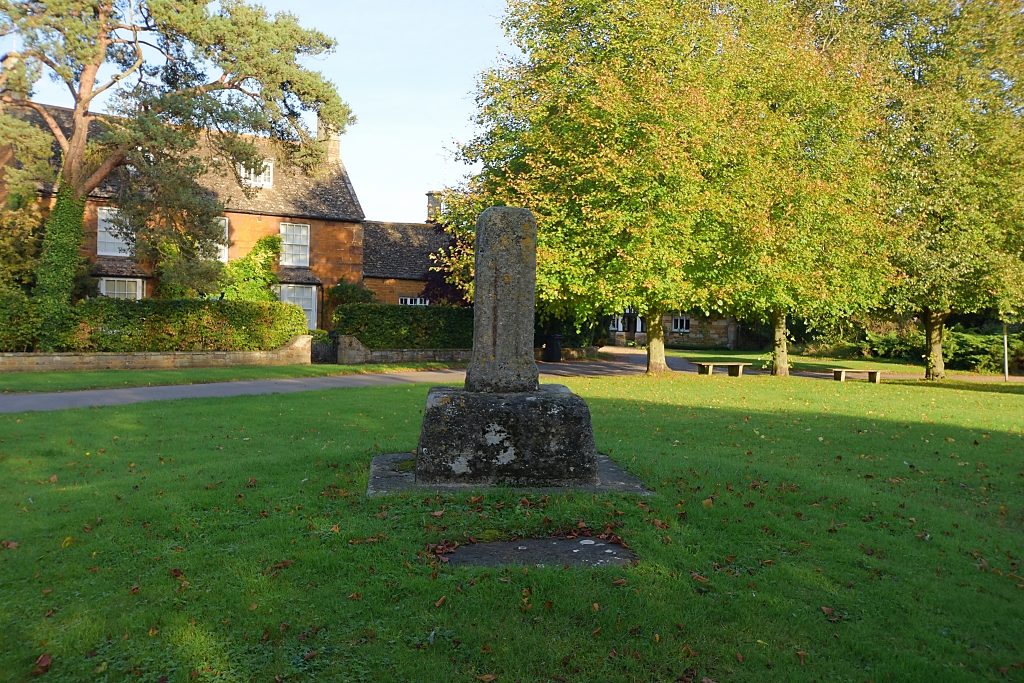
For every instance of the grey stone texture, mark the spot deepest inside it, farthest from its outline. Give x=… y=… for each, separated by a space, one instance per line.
x=505 y=282
x=535 y=438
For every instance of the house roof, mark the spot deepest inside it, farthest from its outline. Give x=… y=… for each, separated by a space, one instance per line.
x=118 y=267
x=328 y=195
x=400 y=250
x=297 y=276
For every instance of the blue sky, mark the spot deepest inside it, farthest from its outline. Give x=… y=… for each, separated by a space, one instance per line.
x=407 y=68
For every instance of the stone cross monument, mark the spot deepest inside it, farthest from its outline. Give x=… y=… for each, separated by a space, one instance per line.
x=505 y=286
x=504 y=427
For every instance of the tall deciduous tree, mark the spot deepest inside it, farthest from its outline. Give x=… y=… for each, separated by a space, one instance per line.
x=790 y=221
x=177 y=73
x=954 y=148
x=676 y=154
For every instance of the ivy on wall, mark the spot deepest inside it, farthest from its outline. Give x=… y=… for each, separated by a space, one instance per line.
x=58 y=267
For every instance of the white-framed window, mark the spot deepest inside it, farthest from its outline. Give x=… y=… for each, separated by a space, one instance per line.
x=413 y=301
x=616 y=324
x=263 y=178
x=222 y=249
x=641 y=325
x=122 y=288
x=294 y=244
x=107 y=243
x=304 y=296
x=681 y=323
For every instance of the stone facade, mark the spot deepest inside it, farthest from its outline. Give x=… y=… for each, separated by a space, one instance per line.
x=295 y=352
x=388 y=290
x=351 y=351
x=711 y=332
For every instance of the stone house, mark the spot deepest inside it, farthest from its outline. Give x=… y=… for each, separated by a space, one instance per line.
x=681 y=329
x=325 y=237
x=396 y=259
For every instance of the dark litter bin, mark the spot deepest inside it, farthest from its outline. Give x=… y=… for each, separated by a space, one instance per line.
x=552 y=349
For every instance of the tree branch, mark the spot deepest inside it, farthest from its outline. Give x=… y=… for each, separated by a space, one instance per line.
x=99 y=175
x=46 y=116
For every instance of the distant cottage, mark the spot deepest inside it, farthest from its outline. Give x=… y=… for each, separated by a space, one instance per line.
x=326 y=239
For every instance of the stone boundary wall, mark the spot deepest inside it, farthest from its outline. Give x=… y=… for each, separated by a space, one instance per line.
x=351 y=351
x=295 y=352
x=571 y=354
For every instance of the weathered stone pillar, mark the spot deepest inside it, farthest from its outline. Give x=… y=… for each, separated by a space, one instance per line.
x=505 y=286
x=504 y=427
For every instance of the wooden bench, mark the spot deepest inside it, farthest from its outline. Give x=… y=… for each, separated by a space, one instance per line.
x=874 y=376
x=735 y=369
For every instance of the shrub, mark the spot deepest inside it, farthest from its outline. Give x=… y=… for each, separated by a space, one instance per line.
x=20 y=319
x=122 y=325
x=345 y=293
x=252 y=277
x=384 y=326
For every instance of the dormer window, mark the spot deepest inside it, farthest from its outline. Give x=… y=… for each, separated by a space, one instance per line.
x=258 y=178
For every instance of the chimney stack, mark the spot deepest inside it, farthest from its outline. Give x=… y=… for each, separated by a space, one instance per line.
x=433 y=206
x=332 y=141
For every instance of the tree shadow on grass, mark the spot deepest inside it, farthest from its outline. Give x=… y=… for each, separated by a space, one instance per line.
x=773 y=457
x=961 y=385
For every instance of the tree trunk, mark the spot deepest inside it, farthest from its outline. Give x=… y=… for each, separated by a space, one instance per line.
x=934 y=326
x=656 y=344
x=780 y=357
x=57 y=265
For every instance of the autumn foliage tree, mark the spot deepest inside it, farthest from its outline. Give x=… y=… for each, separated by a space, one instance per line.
x=953 y=146
x=678 y=154
x=177 y=74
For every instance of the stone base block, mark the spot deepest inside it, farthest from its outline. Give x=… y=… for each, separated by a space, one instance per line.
x=535 y=438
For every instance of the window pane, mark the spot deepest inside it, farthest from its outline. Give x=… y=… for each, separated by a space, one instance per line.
x=305 y=297
x=222 y=253
x=295 y=239
x=120 y=289
x=108 y=244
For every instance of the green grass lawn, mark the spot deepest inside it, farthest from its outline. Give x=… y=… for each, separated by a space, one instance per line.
x=21 y=382
x=816 y=531
x=760 y=359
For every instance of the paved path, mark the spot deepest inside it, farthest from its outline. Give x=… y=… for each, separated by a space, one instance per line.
x=627 y=362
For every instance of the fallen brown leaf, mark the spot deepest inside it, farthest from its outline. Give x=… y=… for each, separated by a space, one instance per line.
x=42 y=664
x=487 y=678
x=619 y=582
x=801 y=654
x=739 y=657
x=309 y=655
x=355 y=596
x=441 y=601
x=437 y=513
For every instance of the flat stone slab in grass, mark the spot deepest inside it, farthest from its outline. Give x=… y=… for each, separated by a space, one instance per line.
x=396 y=473
x=543 y=552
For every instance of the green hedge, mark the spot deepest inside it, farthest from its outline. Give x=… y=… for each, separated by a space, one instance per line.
x=960 y=350
x=121 y=325
x=20 y=320
x=384 y=326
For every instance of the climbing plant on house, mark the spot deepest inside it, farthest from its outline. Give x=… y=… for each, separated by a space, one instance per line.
x=177 y=74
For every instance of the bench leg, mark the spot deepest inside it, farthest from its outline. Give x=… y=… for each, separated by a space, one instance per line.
x=875 y=377
x=703 y=369
x=735 y=370
x=839 y=375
